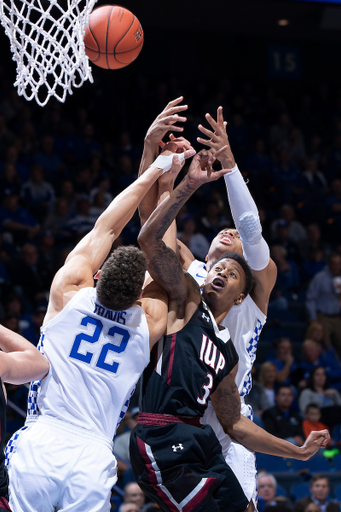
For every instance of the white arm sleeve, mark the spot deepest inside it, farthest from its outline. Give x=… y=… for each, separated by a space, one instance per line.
x=246 y=219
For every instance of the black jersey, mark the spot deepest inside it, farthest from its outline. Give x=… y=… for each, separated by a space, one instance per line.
x=185 y=367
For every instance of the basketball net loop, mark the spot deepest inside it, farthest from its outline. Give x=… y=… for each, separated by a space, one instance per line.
x=46 y=39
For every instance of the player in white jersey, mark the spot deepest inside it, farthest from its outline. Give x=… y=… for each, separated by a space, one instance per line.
x=20 y=361
x=97 y=341
x=246 y=320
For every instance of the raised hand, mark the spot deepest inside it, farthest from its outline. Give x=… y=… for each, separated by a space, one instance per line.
x=201 y=170
x=165 y=122
x=218 y=139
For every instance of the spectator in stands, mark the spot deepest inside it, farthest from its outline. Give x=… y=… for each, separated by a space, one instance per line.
x=121 y=443
x=129 y=507
x=9 y=181
x=297 y=231
x=319 y=490
x=284 y=360
x=37 y=194
x=312 y=507
x=333 y=203
x=67 y=192
x=267 y=490
x=313 y=242
x=281 y=420
x=323 y=301
x=188 y=235
x=104 y=187
x=315 y=332
x=312 y=421
x=267 y=379
x=25 y=273
x=57 y=220
x=134 y=494
x=257 y=399
x=282 y=239
x=319 y=393
x=313 y=356
x=287 y=272
x=17 y=220
x=48 y=158
x=82 y=222
x=32 y=332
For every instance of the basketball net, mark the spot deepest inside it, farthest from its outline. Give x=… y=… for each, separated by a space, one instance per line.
x=47 y=44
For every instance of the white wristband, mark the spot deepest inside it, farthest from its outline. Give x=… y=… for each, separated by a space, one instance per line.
x=165 y=162
x=234 y=169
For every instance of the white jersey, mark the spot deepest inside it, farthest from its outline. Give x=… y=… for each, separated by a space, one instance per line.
x=96 y=357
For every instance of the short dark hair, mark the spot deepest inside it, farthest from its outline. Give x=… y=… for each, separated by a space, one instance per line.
x=121 y=278
x=245 y=266
x=283 y=386
x=311 y=406
x=318 y=476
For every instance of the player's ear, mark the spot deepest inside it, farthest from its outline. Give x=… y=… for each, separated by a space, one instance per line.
x=206 y=258
x=98 y=273
x=240 y=299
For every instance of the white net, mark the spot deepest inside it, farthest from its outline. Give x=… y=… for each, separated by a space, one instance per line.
x=47 y=44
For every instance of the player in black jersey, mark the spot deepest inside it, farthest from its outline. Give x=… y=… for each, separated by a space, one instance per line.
x=20 y=362
x=176 y=461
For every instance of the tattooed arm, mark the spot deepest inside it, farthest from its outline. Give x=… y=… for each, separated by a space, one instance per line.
x=226 y=403
x=164 y=265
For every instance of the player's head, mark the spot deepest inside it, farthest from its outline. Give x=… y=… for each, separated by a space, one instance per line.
x=121 y=279
x=226 y=240
x=229 y=281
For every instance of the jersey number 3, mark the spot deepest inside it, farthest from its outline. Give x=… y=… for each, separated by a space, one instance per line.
x=86 y=357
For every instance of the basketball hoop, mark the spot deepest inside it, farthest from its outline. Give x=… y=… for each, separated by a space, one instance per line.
x=47 y=44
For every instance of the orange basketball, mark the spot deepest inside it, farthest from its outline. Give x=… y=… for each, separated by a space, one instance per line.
x=113 y=37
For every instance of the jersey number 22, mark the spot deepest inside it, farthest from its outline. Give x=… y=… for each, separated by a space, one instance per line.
x=107 y=347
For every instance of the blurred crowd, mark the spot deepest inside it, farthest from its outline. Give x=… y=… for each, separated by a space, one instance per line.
x=61 y=166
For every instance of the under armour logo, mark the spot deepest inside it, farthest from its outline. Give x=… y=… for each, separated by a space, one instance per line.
x=178 y=447
x=205 y=317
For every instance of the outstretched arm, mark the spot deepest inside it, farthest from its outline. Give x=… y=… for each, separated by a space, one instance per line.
x=164 y=123
x=244 y=212
x=164 y=265
x=20 y=361
x=226 y=403
x=256 y=439
x=88 y=256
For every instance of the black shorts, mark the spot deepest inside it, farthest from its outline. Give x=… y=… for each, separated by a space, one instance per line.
x=181 y=467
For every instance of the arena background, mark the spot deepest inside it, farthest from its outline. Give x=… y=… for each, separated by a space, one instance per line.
x=200 y=49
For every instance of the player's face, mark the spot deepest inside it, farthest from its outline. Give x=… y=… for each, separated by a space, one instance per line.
x=227 y=240
x=226 y=281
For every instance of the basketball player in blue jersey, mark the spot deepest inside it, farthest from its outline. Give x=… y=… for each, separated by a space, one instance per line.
x=20 y=362
x=98 y=342
x=246 y=320
x=177 y=461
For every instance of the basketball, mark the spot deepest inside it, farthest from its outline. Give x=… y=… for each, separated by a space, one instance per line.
x=113 y=37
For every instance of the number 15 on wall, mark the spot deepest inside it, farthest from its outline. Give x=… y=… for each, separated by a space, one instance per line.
x=284 y=61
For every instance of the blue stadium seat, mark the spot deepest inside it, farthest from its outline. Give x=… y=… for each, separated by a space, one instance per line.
x=316 y=464
x=300 y=490
x=337 y=492
x=281 y=491
x=337 y=462
x=270 y=463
